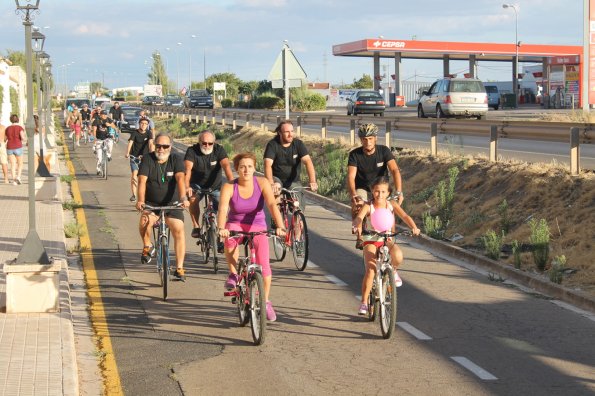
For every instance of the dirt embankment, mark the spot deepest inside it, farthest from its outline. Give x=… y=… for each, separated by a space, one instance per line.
x=539 y=191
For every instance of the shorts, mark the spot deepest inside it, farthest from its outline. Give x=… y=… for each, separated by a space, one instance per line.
x=172 y=214
x=3 y=156
x=18 y=151
x=134 y=164
x=215 y=195
x=77 y=130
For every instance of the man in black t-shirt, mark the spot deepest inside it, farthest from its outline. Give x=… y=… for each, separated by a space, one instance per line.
x=101 y=127
x=140 y=144
x=117 y=114
x=365 y=164
x=161 y=183
x=283 y=156
x=86 y=116
x=203 y=163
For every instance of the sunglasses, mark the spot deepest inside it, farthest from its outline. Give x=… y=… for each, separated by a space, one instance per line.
x=207 y=143
x=163 y=146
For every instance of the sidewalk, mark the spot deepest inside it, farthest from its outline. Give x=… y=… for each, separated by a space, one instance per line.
x=37 y=351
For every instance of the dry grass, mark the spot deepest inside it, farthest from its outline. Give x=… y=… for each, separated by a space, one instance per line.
x=572 y=116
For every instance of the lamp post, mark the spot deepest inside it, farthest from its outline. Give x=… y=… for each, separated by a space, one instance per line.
x=42 y=58
x=178 y=68
x=515 y=77
x=48 y=97
x=193 y=36
x=32 y=250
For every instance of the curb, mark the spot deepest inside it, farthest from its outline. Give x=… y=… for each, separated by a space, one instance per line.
x=574 y=297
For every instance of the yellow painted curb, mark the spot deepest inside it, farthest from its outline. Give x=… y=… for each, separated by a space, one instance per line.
x=112 y=383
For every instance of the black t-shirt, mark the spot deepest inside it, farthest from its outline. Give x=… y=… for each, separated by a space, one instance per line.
x=286 y=160
x=102 y=132
x=161 y=188
x=369 y=167
x=206 y=171
x=116 y=113
x=86 y=115
x=140 y=143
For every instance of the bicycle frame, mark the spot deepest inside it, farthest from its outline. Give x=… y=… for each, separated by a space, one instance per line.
x=297 y=242
x=208 y=238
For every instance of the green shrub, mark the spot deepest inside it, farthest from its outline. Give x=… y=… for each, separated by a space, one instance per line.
x=304 y=100
x=71 y=205
x=492 y=244
x=14 y=101
x=540 y=239
x=226 y=103
x=516 y=254
x=556 y=272
x=73 y=230
x=268 y=100
x=432 y=226
x=445 y=195
x=331 y=171
x=504 y=217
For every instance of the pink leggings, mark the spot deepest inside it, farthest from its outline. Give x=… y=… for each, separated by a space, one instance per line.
x=261 y=244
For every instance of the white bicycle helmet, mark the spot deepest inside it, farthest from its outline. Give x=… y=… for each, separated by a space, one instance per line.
x=366 y=130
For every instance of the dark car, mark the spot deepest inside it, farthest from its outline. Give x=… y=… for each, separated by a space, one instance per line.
x=152 y=100
x=365 y=102
x=173 y=100
x=131 y=116
x=198 y=98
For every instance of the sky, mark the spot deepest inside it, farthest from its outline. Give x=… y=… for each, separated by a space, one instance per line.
x=112 y=41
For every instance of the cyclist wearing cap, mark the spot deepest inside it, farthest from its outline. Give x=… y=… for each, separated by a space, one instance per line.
x=86 y=115
x=101 y=127
x=365 y=164
x=283 y=156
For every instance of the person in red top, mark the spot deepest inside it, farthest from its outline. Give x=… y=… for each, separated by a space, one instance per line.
x=15 y=136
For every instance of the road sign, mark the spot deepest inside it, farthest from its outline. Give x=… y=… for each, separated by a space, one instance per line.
x=286 y=73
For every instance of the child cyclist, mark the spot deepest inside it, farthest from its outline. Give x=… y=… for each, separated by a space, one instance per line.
x=382 y=215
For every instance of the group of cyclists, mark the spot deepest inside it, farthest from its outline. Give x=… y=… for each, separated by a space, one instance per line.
x=160 y=177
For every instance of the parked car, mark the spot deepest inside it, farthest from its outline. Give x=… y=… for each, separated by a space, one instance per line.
x=493 y=96
x=173 y=100
x=131 y=117
x=99 y=101
x=198 y=98
x=366 y=102
x=454 y=97
x=152 y=100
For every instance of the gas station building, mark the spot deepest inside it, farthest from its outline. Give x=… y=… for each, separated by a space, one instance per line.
x=561 y=64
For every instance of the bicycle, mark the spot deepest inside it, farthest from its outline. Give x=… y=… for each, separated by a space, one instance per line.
x=104 y=159
x=249 y=292
x=208 y=239
x=114 y=134
x=293 y=219
x=161 y=235
x=382 y=301
x=84 y=133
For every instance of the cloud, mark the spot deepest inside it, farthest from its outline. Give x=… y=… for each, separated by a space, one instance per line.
x=94 y=29
x=264 y=3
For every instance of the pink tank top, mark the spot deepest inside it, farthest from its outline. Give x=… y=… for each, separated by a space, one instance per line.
x=247 y=211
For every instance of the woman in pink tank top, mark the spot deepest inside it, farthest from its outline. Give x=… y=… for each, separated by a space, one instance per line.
x=241 y=208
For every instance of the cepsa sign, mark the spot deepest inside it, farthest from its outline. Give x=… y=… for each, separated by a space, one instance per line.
x=388 y=44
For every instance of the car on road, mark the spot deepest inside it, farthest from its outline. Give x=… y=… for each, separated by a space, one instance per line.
x=493 y=96
x=198 y=98
x=173 y=100
x=131 y=117
x=152 y=100
x=366 y=102
x=454 y=97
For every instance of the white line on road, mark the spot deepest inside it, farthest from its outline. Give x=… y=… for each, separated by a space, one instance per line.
x=335 y=280
x=474 y=368
x=420 y=335
x=312 y=265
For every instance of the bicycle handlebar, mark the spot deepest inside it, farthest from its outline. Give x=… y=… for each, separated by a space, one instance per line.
x=203 y=190
x=295 y=189
x=252 y=233
x=387 y=234
x=177 y=206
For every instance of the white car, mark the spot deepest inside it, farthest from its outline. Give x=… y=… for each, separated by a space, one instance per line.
x=454 y=97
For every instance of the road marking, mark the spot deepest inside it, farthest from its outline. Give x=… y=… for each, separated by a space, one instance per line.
x=335 y=280
x=312 y=265
x=113 y=384
x=420 y=335
x=474 y=368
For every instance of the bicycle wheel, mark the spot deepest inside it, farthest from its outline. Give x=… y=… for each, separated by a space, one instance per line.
x=242 y=303
x=104 y=165
x=299 y=240
x=258 y=320
x=212 y=236
x=388 y=307
x=73 y=141
x=204 y=242
x=160 y=265
x=372 y=303
x=163 y=246
x=279 y=248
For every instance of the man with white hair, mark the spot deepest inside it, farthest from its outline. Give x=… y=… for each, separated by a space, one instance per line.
x=203 y=164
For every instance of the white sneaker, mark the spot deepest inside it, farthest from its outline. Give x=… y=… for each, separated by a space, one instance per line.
x=398 y=280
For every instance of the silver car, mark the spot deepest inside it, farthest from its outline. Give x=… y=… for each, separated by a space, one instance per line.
x=454 y=97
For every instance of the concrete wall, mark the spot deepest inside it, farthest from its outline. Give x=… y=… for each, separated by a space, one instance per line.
x=4 y=86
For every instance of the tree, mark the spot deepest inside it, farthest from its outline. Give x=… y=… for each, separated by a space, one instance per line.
x=17 y=58
x=363 y=83
x=96 y=88
x=232 y=83
x=157 y=75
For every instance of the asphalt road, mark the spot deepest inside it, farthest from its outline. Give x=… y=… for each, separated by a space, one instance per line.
x=459 y=333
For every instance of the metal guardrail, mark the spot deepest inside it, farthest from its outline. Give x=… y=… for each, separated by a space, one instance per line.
x=572 y=133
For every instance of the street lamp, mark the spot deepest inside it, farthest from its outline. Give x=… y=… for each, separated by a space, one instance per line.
x=190 y=62
x=32 y=250
x=42 y=58
x=515 y=72
x=178 y=68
